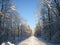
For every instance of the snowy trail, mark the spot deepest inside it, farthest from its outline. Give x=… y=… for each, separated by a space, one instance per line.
x=33 y=41
x=30 y=41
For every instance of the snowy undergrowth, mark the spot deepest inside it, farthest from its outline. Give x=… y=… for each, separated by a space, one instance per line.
x=7 y=43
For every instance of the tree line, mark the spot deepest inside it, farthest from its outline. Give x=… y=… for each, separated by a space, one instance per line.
x=13 y=27
x=48 y=22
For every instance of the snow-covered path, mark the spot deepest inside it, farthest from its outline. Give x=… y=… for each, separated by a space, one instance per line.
x=30 y=41
x=33 y=41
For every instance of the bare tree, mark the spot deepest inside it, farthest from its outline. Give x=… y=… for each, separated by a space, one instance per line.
x=49 y=14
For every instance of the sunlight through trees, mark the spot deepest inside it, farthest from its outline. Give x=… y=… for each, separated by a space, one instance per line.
x=12 y=25
x=48 y=26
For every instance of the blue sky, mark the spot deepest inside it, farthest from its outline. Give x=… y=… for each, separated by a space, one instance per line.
x=27 y=8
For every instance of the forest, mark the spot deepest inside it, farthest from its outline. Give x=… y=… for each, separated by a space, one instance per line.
x=48 y=17
x=14 y=28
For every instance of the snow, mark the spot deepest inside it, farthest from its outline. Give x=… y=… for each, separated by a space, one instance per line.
x=30 y=41
x=33 y=41
x=3 y=44
x=8 y=43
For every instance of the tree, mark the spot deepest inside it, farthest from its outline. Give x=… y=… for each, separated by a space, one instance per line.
x=49 y=14
x=9 y=21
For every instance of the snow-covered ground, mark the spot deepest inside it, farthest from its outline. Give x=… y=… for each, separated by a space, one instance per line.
x=33 y=41
x=7 y=43
x=30 y=41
